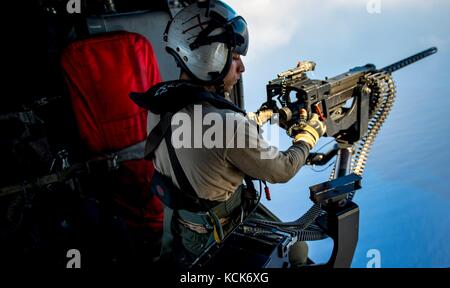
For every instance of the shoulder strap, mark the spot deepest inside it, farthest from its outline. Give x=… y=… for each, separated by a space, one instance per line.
x=155 y=136
x=163 y=130
x=133 y=152
x=185 y=185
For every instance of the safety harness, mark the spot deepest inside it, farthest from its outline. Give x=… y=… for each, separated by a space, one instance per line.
x=195 y=213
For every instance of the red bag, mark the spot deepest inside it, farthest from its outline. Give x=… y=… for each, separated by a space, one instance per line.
x=100 y=73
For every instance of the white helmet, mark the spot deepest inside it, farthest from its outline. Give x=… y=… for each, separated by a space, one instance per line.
x=202 y=37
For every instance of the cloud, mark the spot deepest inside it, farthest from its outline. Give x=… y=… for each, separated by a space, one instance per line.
x=273 y=23
x=270 y=23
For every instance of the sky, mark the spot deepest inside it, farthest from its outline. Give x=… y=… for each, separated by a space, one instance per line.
x=405 y=197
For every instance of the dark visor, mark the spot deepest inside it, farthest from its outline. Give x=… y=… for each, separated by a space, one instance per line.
x=240 y=32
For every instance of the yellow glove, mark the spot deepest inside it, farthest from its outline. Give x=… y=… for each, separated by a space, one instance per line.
x=309 y=132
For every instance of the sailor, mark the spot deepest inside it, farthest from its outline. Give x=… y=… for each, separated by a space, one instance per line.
x=201 y=184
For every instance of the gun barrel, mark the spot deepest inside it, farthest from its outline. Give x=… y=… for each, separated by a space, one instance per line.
x=410 y=60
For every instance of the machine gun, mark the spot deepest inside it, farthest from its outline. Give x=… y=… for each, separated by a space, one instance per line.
x=365 y=87
x=354 y=105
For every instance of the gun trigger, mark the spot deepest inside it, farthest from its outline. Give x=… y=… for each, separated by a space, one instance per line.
x=319 y=112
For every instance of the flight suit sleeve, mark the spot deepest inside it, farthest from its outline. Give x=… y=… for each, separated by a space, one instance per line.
x=258 y=159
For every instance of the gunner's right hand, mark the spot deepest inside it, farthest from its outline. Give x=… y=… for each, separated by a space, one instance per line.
x=309 y=132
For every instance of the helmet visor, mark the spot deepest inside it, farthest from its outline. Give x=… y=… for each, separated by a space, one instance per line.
x=240 y=32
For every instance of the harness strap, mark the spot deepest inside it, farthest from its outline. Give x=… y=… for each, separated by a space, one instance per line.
x=133 y=152
x=183 y=181
x=101 y=164
x=186 y=186
x=222 y=210
x=26 y=117
x=156 y=135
